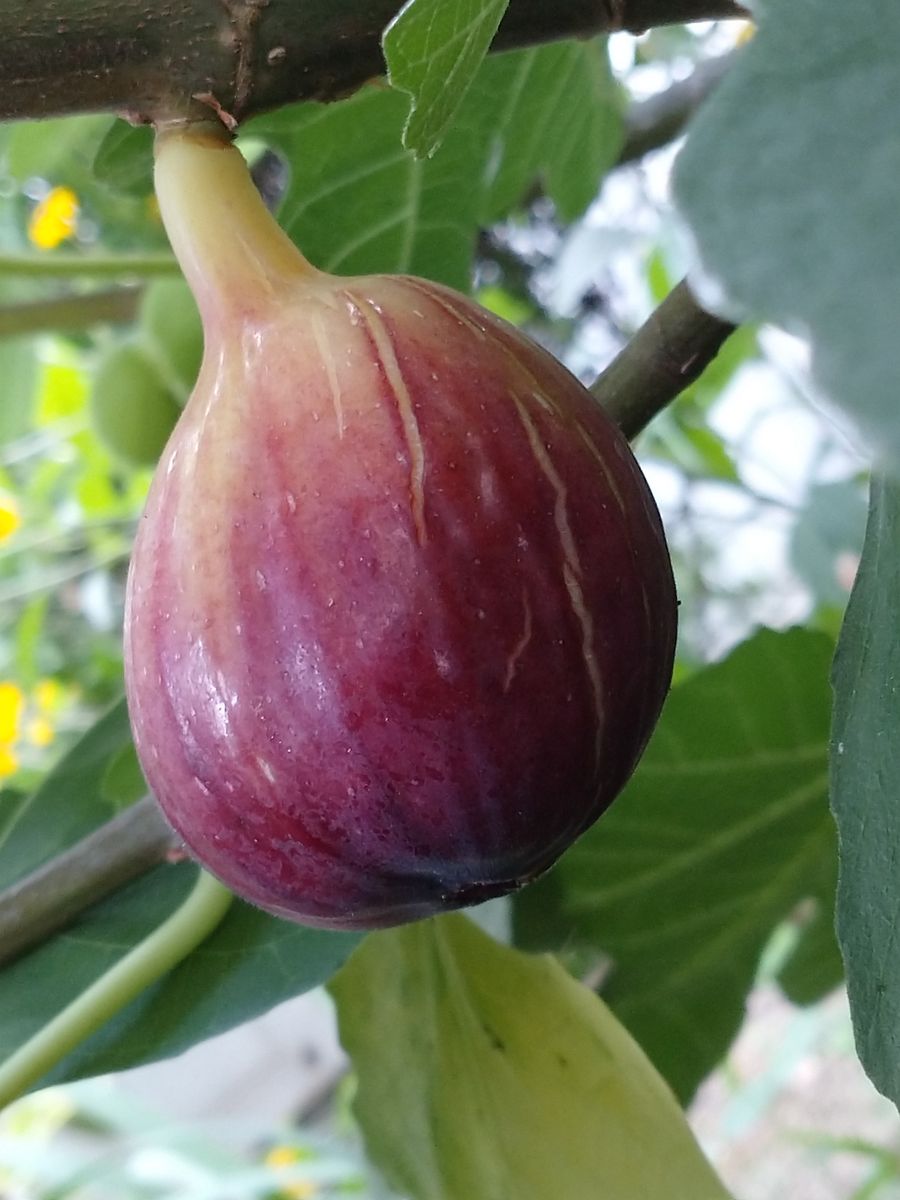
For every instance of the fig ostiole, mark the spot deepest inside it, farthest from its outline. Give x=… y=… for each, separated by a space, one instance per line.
x=400 y=614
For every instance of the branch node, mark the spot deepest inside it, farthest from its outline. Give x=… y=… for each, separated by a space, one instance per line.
x=244 y=16
x=615 y=15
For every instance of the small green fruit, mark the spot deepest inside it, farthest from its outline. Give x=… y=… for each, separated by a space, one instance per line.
x=132 y=409
x=170 y=322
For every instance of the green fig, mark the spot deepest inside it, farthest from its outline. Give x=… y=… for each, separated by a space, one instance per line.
x=132 y=409
x=170 y=324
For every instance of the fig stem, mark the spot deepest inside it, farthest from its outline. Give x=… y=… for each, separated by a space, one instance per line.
x=191 y=923
x=230 y=247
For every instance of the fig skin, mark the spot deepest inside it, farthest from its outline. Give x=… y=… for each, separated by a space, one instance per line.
x=400 y=615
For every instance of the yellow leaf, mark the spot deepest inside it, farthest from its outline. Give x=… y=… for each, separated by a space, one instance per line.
x=485 y=1072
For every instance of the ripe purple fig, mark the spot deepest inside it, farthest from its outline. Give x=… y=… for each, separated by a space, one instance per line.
x=400 y=613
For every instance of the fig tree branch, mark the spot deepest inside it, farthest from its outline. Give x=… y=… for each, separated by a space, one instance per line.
x=55 y=894
x=70 y=313
x=670 y=350
x=157 y=58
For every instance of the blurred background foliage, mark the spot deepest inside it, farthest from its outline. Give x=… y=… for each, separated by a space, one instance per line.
x=763 y=497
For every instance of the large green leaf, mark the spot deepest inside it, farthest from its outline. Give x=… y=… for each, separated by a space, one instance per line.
x=433 y=48
x=554 y=113
x=789 y=180
x=358 y=202
x=124 y=158
x=865 y=785
x=48 y=148
x=483 y=1072
x=723 y=830
x=814 y=966
x=70 y=802
x=252 y=961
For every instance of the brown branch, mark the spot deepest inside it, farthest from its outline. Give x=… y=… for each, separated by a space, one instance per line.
x=669 y=351
x=70 y=313
x=150 y=57
x=656 y=122
x=55 y=894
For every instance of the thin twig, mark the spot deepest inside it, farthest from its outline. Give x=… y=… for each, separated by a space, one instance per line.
x=71 y=313
x=137 y=266
x=56 y=893
x=669 y=351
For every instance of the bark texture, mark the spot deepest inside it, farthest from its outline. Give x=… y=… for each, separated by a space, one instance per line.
x=154 y=59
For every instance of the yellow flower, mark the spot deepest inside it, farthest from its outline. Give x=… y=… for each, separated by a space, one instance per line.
x=40 y=732
x=48 y=695
x=12 y=702
x=10 y=520
x=280 y=1157
x=26 y=719
x=54 y=219
x=745 y=32
x=9 y=764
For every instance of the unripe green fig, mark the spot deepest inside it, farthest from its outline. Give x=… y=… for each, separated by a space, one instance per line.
x=131 y=408
x=400 y=613
x=170 y=322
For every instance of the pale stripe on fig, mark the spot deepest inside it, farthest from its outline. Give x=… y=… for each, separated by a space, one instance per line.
x=442 y=301
x=521 y=645
x=572 y=572
x=334 y=383
x=603 y=465
x=405 y=406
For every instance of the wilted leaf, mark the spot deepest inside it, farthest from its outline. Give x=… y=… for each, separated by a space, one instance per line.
x=483 y=1072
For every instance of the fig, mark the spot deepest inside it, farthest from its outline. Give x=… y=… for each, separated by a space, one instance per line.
x=400 y=613
x=132 y=409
